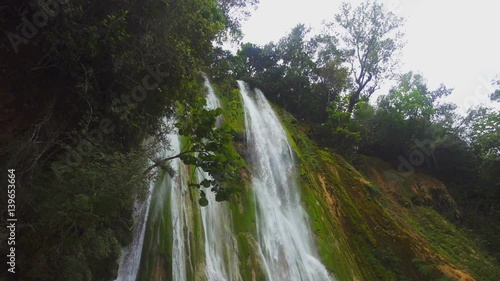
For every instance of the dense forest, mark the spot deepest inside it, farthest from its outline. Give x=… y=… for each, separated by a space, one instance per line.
x=86 y=87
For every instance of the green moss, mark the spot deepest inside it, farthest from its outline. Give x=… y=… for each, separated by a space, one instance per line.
x=245 y=230
x=158 y=239
x=158 y=236
x=232 y=109
x=364 y=234
x=424 y=268
x=449 y=241
x=363 y=229
x=444 y=244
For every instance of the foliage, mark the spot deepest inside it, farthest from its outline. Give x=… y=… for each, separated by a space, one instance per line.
x=210 y=149
x=234 y=12
x=342 y=134
x=130 y=64
x=484 y=135
x=371 y=36
x=483 y=193
x=363 y=231
x=495 y=96
x=410 y=126
x=125 y=64
x=300 y=73
x=403 y=120
x=81 y=220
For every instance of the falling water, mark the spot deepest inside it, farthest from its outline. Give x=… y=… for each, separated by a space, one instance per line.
x=285 y=242
x=221 y=253
x=179 y=216
x=168 y=208
x=131 y=255
x=286 y=245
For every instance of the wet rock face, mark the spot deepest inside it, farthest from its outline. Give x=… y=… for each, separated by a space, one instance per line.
x=415 y=189
x=428 y=191
x=242 y=149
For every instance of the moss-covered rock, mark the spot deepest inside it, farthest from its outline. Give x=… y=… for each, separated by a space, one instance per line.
x=370 y=223
x=376 y=224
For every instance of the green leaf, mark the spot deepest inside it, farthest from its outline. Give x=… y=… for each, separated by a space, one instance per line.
x=203 y=202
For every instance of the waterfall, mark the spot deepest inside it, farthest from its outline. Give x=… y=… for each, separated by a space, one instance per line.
x=183 y=242
x=285 y=241
x=178 y=215
x=131 y=255
x=221 y=252
x=171 y=218
x=167 y=207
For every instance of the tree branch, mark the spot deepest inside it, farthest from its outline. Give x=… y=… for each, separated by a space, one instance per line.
x=159 y=163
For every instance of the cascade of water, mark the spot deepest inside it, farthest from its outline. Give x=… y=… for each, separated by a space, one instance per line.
x=179 y=216
x=131 y=255
x=221 y=252
x=286 y=245
x=170 y=191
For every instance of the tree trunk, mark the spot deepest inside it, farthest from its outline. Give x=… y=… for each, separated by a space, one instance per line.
x=353 y=100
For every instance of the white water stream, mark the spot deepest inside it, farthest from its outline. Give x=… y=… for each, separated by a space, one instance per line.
x=179 y=212
x=284 y=236
x=286 y=246
x=221 y=250
x=169 y=192
x=131 y=255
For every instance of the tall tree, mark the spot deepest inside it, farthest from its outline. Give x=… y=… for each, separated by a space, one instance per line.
x=331 y=77
x=371 y=37
x=296 y=54
x=111 y=60
x=234 y=11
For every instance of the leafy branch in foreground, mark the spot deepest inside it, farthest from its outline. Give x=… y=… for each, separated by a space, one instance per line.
x=208 y=148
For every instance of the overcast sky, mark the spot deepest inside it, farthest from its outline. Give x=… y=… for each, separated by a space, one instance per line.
x=452 y=42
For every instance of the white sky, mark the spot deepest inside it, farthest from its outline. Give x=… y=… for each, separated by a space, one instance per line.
x=452 y=42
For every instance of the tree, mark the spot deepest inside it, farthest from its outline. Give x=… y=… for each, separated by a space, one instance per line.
x=483 y=124
x=407 y=119
x=412 y=99
x=495 y=96
x=127 y=63
x=234 y=11
x=255 y=59
x=208 y=148
x=331 y=77
x=482 y=196
x=296 y=58
x=296 y=51
x=371 y=37
x=284 y=70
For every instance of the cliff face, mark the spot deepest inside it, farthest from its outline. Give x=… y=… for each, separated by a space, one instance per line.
x=373 y=223
x=369 y=222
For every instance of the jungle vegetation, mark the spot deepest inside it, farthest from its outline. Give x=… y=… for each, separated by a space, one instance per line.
x=85 y=86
